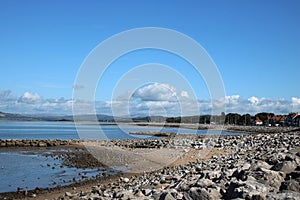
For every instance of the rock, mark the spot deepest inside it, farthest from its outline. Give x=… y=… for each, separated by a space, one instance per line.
x=240 y=175
x=244 y=173
x=213 y=174
x=106 y=194
x=68 y=194
x=10 y=144
x=258 y=197
x=198 y=193
x=214 y=193
x=126 y=194
x=231 y=192
x=139 y=193
x=246 y=166
x=269 y=177
x=42 y=144
x=293 y=175
x=166 y=196
x=125 y=180
x=284 y=195
x=147 y=192
x=204 y=183
x=291 y=185
x=186 y=196
x=286 y=166
x=262 y=164
x=253 y=189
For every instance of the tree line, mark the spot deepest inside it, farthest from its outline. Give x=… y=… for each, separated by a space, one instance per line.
x=232 y=119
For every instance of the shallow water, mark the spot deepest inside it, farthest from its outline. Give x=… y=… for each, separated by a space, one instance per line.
x=28 y=171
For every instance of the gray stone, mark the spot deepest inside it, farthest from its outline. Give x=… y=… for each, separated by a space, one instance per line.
x=126 y=194
x=293 y=175
x=214 y=193
x=198 y=193
x=291 y=185
x=204 y=183
x=68 y=194
x=147 y=192
x=42 y=144
x=186 y=196
x=125 y=180
x=269 y=177
x=232 y=192
x=286 y=166
x=262 y=164
x=240 y=175
x=253 y=189
x=284 y=195
x=166 y=196
x=139 y=193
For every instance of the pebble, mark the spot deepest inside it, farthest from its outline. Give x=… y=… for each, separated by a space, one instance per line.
x=125 y=180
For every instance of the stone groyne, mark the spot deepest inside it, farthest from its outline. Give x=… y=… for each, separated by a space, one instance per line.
x=36 y=143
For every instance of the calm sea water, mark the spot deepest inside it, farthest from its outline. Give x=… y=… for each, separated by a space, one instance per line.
x=87 y=130
x=31 y=169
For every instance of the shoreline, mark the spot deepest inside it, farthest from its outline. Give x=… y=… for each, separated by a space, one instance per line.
x=277 y=140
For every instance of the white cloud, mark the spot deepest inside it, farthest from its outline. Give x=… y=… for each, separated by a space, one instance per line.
x=30 y=98
x=296 y=104
x=154 y=99
x=253 y=100
x=156 y=92
x=234 y=99
x=296 y=101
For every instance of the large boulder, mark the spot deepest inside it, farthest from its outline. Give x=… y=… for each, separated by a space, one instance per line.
x=199 y=193
x=291 y=185
x=285 y=166
x=269 y=177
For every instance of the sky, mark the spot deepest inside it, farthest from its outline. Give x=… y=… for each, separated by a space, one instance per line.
x=254 y=44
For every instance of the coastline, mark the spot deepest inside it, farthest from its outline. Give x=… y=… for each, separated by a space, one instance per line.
x=277 y=140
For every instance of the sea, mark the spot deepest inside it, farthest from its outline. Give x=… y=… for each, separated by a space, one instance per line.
x=28 y=169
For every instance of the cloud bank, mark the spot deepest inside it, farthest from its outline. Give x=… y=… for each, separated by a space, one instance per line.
x=152 y=99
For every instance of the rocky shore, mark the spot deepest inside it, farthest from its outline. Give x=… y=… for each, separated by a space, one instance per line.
x=36 y=143
x=261 y=166
x=264 y=165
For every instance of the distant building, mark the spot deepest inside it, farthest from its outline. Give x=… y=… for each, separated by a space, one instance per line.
x=293 y=119
x=258 y=122
x=278 y=120
x=296 y=120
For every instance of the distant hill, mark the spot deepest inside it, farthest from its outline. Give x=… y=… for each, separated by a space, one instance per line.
x=45 y=117
x=11 y=116
x=100 y=117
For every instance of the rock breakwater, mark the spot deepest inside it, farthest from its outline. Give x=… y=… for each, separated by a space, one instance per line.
x=36 y=143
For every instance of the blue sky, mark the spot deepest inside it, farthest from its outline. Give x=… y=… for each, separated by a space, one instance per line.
x=255 y=44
